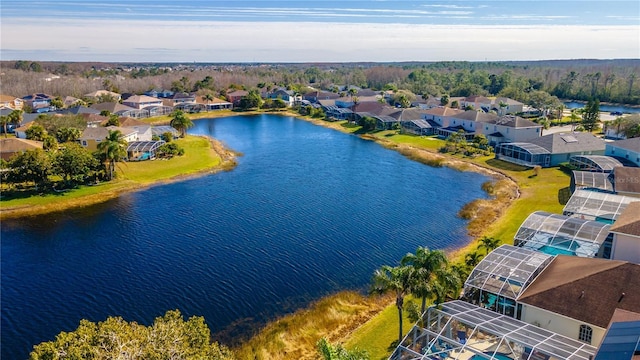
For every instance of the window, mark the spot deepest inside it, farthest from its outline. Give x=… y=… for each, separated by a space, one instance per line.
x=585 y=334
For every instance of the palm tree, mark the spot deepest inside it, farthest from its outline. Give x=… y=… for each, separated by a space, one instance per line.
x=397 y=280
x=618 y=122
x=181 y=122
x=113 y=149
x=489 y=243
x=15 y=118
x=472 y=259
x=447 y=284
x=4 y=121
x=426 y=265
x=208 y=98
x=338 y=352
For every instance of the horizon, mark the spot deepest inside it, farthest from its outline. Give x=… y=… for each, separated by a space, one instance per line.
x=352 y=31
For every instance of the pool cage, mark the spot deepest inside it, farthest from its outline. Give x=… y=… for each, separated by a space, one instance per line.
x=556 y=234
x=525 y=154
x=499 y=279
x=596 y=163
x=594 y=205
x=598 y=181
x=459 y=330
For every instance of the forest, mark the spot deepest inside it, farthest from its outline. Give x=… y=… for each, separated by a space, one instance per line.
x=609 y=81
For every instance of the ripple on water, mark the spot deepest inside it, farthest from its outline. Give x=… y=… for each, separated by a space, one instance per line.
x=308 y=211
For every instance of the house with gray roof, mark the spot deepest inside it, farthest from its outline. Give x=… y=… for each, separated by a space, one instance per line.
x=627 y=150
x=550 y=150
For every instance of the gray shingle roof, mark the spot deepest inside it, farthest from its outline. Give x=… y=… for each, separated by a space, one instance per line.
x=562 y=143
x=628 y=144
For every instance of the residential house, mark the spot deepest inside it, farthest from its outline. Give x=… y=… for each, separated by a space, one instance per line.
x=412 y=121
x=476 y=102
x=550 y=150
x=91 y=137
x=429 y=103
x=505 y=106
x=626 y=181
x=10 y=102
x=626 y=234
x=577 y=297
x=70 y=101
x=76 y=110
x=234 y=97
x=179 y=98
x=141 y=101
x=288 y=96
x=159 y=93
x=215 y=104
x=627 y=150
x=12 y=146
x=317 y=95
x=39 y=102
x=470 y=122
x=94 y=120
x=441 y=115
x=103 y=94
x=509 y=128
x=122 y=110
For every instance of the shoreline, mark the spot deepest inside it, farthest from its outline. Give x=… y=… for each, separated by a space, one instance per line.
x=227 y=163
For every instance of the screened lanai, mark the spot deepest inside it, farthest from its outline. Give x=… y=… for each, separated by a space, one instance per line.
x=600 y=181
x=497 y=281
x=523 y=154
x=143 y=150
x=460 y=330
x=599 y=163
x=594 y=205
x=560 y=234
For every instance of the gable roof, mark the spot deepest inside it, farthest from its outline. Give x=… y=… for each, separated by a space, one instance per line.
x=586 y=289
x=408 y=114
x=478 y=116
x=513 y=121
x=112 y=107
x=141 y=99
x=629 y=221
x=626 y=179
x=562 y=143
x=99 y=133
x=443 y=111
x=12 y=145
x=632 y=144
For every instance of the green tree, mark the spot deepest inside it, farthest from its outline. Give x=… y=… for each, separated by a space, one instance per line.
x=36 y=132
x=338 y=352
x=472 y=259
x=252 y=100
x=4 y=121
x=68 y=134
x=14 y=118
x=114 y=120
x=208 y=98
x=591 y=115
x=49 y=142
x=397 y=280
x=489 y=243
x=169 y=337
x=57 y=103
x=444 y=100
x=30 y=166
x=181 y=122
x=73 y=163
x=426 y=264
x=112 y=150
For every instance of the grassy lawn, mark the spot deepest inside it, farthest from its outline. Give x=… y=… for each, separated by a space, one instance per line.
x=199 y=156
x=548 y=191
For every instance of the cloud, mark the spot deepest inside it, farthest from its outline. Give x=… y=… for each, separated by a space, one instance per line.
x=234 y=41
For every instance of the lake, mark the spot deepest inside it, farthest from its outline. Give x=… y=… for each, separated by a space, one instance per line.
x=307 y=212
x=604 y=107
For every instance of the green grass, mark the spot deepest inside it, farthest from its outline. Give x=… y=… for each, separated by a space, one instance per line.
x=379 y=336
x=547 y=191
x=194 y=160
x=199 y=156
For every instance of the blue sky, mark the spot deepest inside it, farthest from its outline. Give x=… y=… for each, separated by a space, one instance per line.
x=317 y=31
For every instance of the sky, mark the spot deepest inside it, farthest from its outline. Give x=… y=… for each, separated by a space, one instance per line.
x=317 y=31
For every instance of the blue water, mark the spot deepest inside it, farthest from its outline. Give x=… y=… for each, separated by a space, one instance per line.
x=603 y=107
x=308 y=211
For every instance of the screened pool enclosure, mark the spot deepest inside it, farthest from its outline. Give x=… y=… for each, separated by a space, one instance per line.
x=525 y=154
x=594 y=205
x=556 y=234
x=597 y=163
x=497 y=281
x=460 y=330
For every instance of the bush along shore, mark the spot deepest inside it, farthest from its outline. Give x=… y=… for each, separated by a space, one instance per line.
x=359 y=321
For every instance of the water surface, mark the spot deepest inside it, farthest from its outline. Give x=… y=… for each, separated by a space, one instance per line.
x=308 y=211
